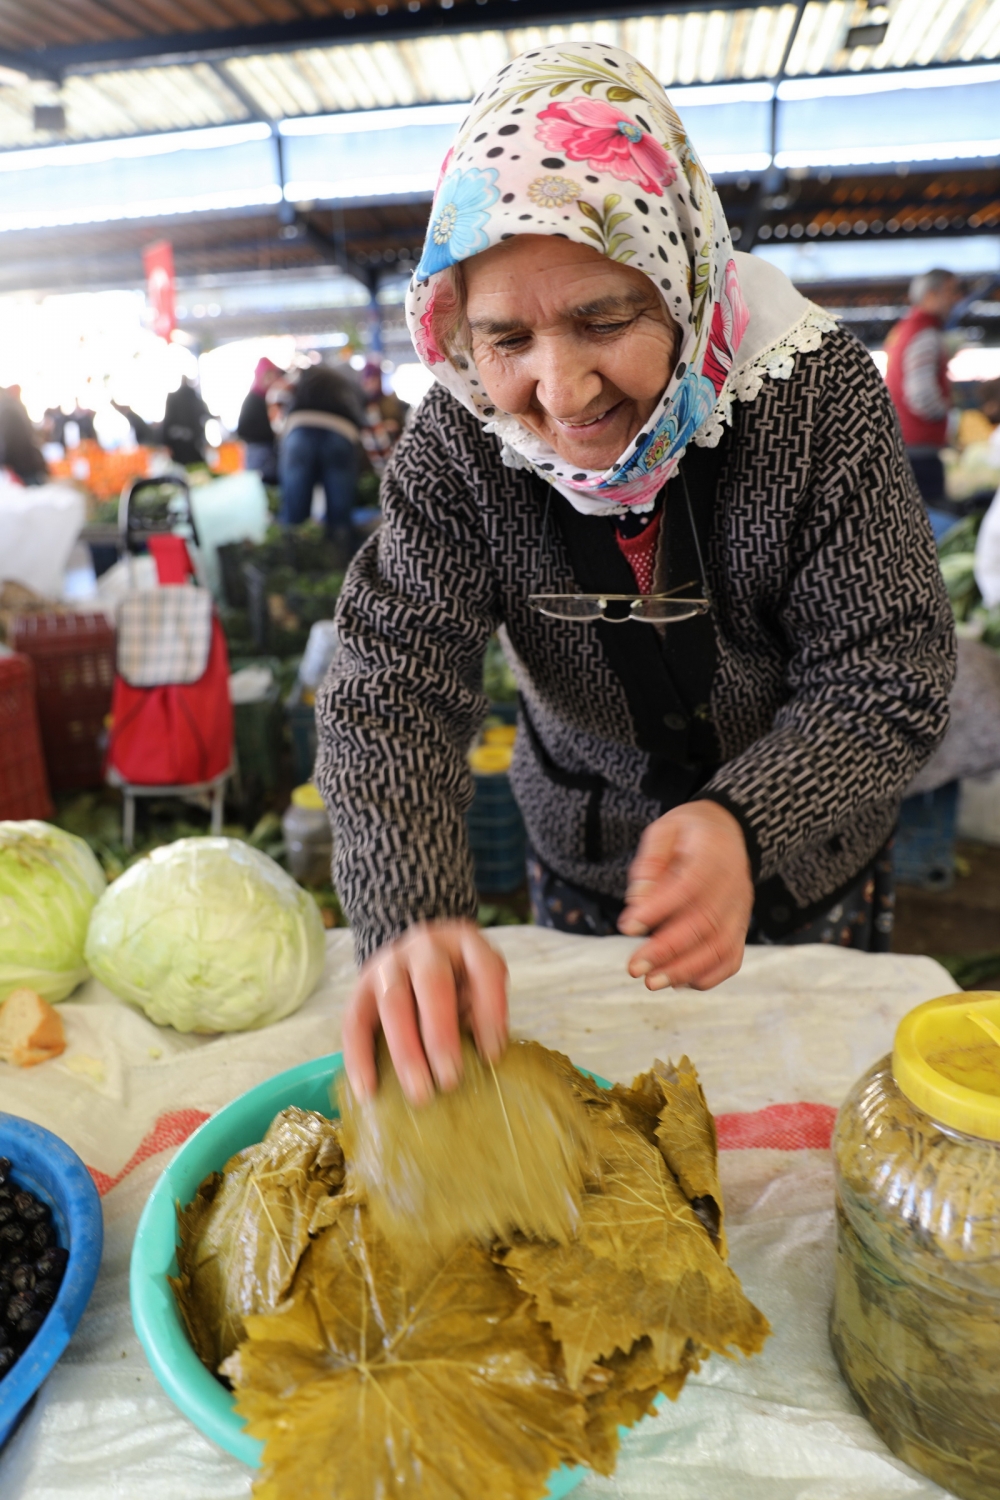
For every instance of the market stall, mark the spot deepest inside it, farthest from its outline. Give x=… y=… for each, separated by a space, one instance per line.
x=777 y=1046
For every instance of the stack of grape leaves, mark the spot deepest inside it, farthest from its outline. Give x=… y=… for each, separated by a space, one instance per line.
x=485 y=1289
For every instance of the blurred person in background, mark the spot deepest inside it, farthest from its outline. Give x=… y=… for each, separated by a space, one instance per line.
x=320 y=444
x=917 y=377
x=19 y=450
x=254 y=425
x=386 y=414
x=183 y=427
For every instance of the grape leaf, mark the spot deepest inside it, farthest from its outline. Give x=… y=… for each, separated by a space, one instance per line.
x=382 y=1377
x=642 y=1266
x=243 y=1235
x=509 y=1149
x=687 y=1138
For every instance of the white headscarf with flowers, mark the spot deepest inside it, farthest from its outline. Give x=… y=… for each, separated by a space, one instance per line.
x=581 y=141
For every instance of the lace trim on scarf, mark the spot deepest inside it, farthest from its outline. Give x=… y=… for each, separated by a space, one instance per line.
x=777 y=360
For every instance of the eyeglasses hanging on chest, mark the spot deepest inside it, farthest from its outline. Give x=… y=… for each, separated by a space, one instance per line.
x=651 y=609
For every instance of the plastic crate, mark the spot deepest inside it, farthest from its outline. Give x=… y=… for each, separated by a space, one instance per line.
x=496 y=835
x=924 y=852
x=264 y=633
x=302 y=728
x=257 y=731
x=24 y=789
x=74 y=659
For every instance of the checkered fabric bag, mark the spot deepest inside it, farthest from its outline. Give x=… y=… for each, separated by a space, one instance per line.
x=164 y=636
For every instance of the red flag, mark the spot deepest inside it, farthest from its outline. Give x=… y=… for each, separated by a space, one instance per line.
x=158 y=261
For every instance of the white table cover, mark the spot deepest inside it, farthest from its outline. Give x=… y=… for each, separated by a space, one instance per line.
x=777 y=1048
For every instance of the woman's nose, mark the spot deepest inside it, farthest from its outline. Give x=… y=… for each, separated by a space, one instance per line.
x=566 y=382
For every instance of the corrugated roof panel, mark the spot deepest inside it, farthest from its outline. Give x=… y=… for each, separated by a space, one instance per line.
x=983 y=39
x=694 y=47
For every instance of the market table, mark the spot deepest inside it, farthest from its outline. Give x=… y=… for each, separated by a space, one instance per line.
x=777 y=1048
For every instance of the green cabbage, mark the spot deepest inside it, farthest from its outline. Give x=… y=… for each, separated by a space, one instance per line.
x=208 y=934
x=49 y=881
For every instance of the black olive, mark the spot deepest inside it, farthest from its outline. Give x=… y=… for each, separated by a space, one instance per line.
x=7 y=1358
x=23 y=1279
x=17 y=1307
x=46 y=1292
x=5 y=1168
x=7 y=1212
x=29 y=1207
x=12 y=1233
x=40 y=1236
x=31 y=1322
x=51 y=1262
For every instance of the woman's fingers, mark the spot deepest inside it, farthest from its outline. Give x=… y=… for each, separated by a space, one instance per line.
x=419 y=989
x=358 y=1033
x=397 y=1012
x=435 y=988
x=695 y=913
x=485 y=994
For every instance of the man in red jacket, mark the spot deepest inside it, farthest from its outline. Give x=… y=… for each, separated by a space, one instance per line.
x=917 y=377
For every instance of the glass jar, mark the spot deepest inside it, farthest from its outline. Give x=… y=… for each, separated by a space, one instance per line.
x=916 y=1314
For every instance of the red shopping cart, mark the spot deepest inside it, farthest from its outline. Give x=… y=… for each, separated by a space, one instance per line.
x=171 y=732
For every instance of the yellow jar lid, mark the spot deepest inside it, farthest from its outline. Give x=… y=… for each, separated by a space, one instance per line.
x=946 y=1060
x=307 y=796
x=500 y=734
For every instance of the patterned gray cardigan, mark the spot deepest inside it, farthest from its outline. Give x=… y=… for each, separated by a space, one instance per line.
x=804 y=702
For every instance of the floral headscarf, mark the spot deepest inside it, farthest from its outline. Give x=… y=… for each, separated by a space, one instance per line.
x=581 y=141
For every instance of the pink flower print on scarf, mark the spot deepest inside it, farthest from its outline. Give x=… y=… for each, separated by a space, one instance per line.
x=424 y=338
x=607 y=140
x=729 y=322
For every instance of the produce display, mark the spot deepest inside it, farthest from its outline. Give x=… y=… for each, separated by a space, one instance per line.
x=567 y=1265
x=49 y=884
x=31 y=1267
x=206 y=935
x=916 y=1324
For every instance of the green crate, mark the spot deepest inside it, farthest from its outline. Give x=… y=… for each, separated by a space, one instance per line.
x=257 y=730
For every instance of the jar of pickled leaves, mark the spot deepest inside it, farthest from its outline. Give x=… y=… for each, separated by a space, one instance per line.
x=916 y=1314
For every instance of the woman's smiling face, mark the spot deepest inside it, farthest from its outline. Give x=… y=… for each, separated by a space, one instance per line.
x=577 y=347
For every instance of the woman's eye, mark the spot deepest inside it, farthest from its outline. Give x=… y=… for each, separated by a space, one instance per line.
x=512 y=343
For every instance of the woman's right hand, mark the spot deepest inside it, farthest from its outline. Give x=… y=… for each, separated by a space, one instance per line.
x=422 y=990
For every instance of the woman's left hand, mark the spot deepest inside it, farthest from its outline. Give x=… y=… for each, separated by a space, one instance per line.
x=690 y=888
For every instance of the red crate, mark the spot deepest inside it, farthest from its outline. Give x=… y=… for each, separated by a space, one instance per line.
x=74 y=660
x=24 y=791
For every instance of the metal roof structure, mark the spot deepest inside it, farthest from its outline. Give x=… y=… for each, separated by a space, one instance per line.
x=130 y=67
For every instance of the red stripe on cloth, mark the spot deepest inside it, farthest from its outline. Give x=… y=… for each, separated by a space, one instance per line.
x=170 y=1130
x=779 y=1127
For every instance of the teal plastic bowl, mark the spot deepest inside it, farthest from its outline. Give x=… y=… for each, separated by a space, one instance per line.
x=157 y=1321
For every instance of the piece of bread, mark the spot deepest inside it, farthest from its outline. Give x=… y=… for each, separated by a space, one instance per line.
x=30 y=1030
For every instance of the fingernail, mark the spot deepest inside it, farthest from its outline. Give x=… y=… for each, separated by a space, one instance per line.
x=632 y=928
x=448 y=1075
x=640 y=967
x=638 y=889
x=491 y=1045
x=658 y=982
x=360 y=1089
x=419 y=1088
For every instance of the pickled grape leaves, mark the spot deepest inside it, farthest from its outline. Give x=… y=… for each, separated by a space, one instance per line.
x=437 y=1382
x=243 y=1235
x=508 y=1150
x=642 y=1265
x=504 y=1280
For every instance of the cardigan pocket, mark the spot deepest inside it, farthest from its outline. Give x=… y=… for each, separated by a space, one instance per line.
x=540 y=809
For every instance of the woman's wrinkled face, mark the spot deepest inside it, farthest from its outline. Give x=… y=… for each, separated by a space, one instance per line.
x=577 y=347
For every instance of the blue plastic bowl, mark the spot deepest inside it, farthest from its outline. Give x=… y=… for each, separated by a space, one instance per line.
x=157 y=1321
x=47 y=1167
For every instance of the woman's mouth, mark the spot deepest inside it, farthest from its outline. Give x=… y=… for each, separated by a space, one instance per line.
x=591 y=427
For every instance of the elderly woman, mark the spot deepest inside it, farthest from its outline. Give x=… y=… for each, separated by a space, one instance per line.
x=677 y=489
